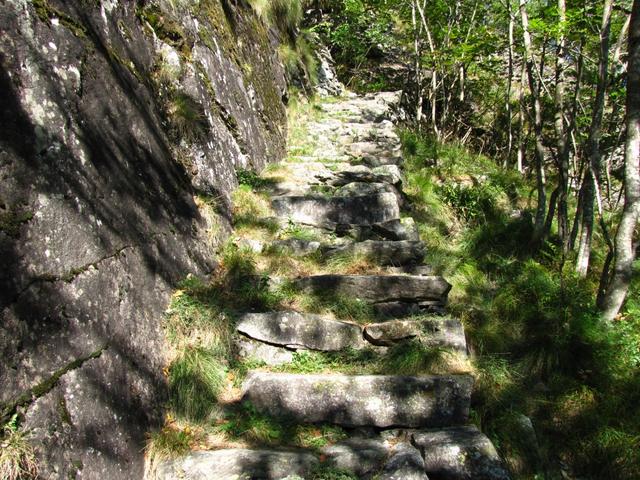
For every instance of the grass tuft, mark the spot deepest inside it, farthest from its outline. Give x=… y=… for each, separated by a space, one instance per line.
x=17 y=455
x=196 y=378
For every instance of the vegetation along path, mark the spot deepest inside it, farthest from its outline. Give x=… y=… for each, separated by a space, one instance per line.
x=345 y=362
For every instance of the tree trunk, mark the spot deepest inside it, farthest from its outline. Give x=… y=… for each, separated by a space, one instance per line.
x=418 y=65
x=562 y=139
x=507 y=159
x=541 y=211
x=593 y=144
x=521 y=135
x=624 y=248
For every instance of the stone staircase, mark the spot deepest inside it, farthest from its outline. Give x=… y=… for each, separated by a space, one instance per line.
x=400 y=427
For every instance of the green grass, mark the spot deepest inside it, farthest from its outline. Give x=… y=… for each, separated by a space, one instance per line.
x=196 y=377
x=243 y=422
x=17 y=455
x=541 y=351
x=165 y=444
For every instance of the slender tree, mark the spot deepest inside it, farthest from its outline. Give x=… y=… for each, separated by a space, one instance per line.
x=592 y=173
x=530 y=63
x=624 y=244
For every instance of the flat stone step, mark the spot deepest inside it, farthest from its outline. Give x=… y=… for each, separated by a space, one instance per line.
x=367 y=400
x=238 y=463
x=402 y=252
x=379 y=288
x=297 y=330
x=437 y=332
x=330 y=212
x=383 y=174
x=459 y=453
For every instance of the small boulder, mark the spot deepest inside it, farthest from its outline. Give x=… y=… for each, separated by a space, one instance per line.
x=405 y=464
x=459 y=453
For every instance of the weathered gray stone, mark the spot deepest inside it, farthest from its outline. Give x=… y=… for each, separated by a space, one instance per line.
x=256 y=246
x=459 y=453
x=237 y=464
x=297 y=330
x=404 y=229
x=382 y=252
x=329 y=212
x=296 y=246
x=359 y=173
x=422 y=270
x=382 y=158
x=379 y=288
x=374 y=400
x=269 y=354
x=440 y=332
x=355 y=189
x=390 y=310
x=389 y=333
x=405 y=464
x=362 y=456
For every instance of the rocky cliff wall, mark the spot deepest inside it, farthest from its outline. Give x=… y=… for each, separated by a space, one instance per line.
x=117 y=119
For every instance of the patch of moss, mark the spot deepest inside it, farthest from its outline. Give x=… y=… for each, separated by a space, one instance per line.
x=46 y=13
x=165 y=27
x=12 y=219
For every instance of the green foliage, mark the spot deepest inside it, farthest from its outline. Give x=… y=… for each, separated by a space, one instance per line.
x=470 y=203
x=195 y=380
x=541 y=350
x=187 y=116
x=251 y=179
x=327 y=472
x=165 y=444
x=17 y=456
x=246 y=423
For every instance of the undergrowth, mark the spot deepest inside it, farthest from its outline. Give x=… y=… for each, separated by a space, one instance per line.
x=542 y=354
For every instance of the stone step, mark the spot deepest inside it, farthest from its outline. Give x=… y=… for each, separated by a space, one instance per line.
x=367 y=400
x=238 y=463
x=379 y=288
x=401 y=252
x=445 y=332
x=330 y=212
x=452 y=453
x=359 y=173
x=297 y=330
x=459 y=453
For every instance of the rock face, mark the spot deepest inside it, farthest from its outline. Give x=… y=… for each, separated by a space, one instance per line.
x=296 y=330
x=97 y=215
x=238 y=463
x=459 y=453
x=329 y=212
x=379 y=288
x=365 y=400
